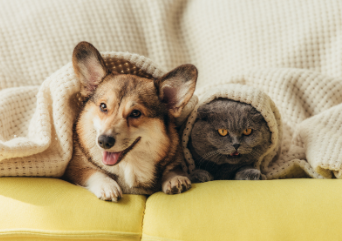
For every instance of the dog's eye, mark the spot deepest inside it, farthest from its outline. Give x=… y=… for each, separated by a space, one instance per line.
x=135 y=114
x=103 y=107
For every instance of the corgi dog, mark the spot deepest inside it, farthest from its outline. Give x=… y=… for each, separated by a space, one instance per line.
x=125 y=138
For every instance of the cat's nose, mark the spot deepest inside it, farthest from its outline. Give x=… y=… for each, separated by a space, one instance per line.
x=106 y=142
x=236 y=146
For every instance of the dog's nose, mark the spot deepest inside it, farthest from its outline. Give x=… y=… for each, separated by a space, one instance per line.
x=236 y=146
x=106 y=142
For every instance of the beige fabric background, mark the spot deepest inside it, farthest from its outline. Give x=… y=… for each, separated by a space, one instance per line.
x=220 y=37
x=225 y=39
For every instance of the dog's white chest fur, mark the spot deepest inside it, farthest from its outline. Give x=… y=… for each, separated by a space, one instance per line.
x=137 y=169
x=129 y=174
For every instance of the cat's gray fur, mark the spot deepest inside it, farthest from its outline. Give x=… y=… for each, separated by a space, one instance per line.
x=211 y=151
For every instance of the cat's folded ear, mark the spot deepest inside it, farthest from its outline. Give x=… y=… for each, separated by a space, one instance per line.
x=256 y=116
x=89 y=67
x=204 y=111
x=177 y=87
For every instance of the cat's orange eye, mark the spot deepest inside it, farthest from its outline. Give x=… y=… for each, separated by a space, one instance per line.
x=247 y=132
x=223 y=132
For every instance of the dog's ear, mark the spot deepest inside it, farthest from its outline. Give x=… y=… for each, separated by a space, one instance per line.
x=177 y=87
x=89 y=67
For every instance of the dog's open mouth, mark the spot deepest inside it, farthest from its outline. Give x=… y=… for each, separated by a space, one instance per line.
x=113 y=158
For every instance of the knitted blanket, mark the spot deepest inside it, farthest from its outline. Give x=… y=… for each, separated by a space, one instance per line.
x=306 y=135
x=290 y=50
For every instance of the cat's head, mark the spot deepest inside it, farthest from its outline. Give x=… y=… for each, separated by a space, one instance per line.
x=231 y=132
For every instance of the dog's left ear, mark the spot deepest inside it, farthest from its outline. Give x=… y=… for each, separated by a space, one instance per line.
x=89 y=67
x=177 y=87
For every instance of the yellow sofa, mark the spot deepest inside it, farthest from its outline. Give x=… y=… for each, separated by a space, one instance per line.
x=293 y=209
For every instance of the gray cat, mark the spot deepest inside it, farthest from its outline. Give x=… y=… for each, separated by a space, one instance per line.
x=227 y=138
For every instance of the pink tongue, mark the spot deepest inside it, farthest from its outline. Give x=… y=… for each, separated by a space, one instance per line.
x=110 y=158
x=236 y=153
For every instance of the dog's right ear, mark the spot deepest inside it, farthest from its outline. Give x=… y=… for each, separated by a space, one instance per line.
x=89 y=67
x=177 y=87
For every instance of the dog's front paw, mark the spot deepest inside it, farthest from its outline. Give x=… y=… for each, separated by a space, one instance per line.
x=176 y=184
x=249 y=174
x=104 y=187
x=200 y=175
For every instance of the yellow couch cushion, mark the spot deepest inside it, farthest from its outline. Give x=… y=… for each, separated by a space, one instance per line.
x=52 y=209
x=294 y=209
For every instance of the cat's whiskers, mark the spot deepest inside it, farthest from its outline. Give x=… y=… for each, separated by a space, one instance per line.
x=209 y=154
x=213 y=156
x=218 y=156
x=204 y=158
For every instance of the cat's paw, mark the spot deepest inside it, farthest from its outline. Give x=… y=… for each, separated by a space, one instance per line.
x=104 y=187
x=249 y=174
x=200 y=175
x=176 y=184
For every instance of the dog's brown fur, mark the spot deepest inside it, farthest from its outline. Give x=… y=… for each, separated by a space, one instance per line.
x=151 y=152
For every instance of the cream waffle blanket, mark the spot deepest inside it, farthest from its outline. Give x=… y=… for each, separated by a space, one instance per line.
x=291 y=50
x=305 y=136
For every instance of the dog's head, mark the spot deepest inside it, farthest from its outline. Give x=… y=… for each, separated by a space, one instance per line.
x=126 y=112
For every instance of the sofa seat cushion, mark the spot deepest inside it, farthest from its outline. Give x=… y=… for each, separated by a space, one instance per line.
x=52 y=209
x=293 y=209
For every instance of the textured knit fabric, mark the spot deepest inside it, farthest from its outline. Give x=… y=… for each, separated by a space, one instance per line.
x=300 y=145
x=294 y=46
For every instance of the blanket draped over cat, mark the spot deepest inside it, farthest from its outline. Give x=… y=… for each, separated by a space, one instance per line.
x=305 y=130
x=249 y=95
